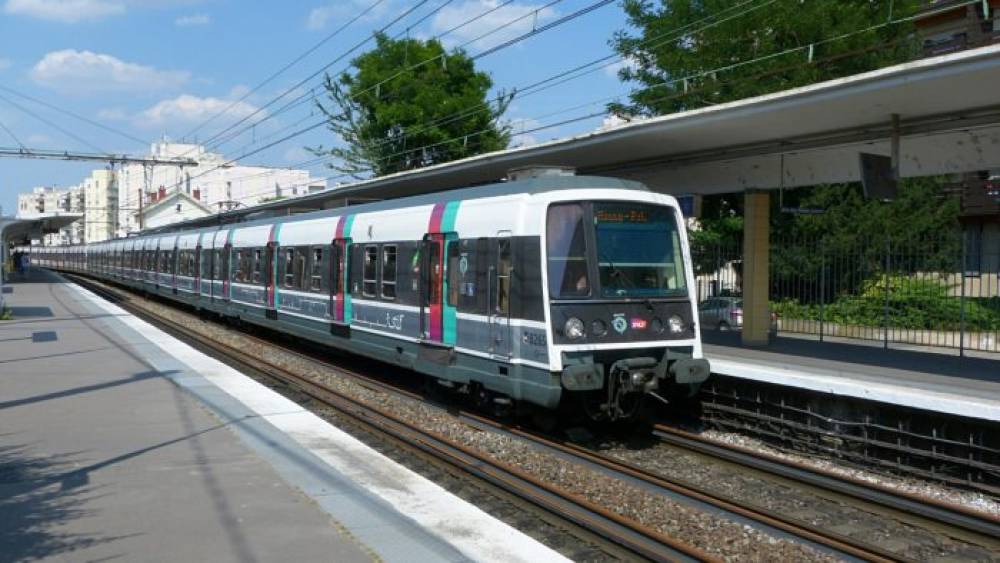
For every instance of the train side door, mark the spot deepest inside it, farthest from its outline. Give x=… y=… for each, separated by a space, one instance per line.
x=196 y=270
x=432 y=288
x=501 y=272
x=227 y=258
x=339 y=292
x=270 y=267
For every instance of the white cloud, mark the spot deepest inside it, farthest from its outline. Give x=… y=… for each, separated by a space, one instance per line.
x=452 y=16
x=4 y=63
x=112 y=114
x=65 y=11
x=187 y=109
x=72 y=71
x=344 y=10
x=239 y=91
x=193 y=20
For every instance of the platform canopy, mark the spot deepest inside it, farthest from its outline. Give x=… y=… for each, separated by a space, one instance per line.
x=21 y=231
x=949 y=121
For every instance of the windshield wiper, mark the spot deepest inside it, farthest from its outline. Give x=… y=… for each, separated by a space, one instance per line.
x=616 y=272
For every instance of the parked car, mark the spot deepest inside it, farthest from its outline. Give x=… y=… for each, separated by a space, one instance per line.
x=726 y=313
x=722 y=313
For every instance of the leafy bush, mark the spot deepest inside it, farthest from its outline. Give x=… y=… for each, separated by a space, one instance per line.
x=912 y=304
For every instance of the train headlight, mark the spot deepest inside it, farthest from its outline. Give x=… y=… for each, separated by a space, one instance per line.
x=676 y=324
x=574 y=329
x=598 y=327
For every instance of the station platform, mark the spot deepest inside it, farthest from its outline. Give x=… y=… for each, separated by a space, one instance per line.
x=949 y=384
x=119 y=442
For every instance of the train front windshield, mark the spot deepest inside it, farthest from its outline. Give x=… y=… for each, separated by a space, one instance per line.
x=633 y=251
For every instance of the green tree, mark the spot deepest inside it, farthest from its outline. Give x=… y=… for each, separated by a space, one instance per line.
x=392 y=117
x=691 y=53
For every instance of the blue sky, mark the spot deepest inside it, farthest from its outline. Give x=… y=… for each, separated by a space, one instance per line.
x=155 y=67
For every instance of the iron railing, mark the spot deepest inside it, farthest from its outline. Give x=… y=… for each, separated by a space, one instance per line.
x=942 y=292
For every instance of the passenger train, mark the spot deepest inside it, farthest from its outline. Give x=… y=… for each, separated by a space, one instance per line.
x=550 y=289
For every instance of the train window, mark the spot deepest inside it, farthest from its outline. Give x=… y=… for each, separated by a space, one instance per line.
x=455 y=272
x=389 y=271
x=504 y=270
x=369 y=273
x=258 y=266
x=205 y=263
x=316 y=264
x=288 y=267
x=182 y=269
x=436 y=279
x=240 y=266
x=638 y=250
x=567 y=251
x=226 y=263
x=299 y=268
x=216 y=264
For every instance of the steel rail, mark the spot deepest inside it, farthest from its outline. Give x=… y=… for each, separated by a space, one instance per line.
x=644 y=541
x=938 y=511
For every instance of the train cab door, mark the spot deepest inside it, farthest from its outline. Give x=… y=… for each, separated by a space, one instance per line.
x=432 y=289
x=501 y=272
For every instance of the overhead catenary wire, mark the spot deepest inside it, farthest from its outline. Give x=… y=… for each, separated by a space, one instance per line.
x=12 y=135
x=539 y=86
x=53 y=125
x=678 y=80
x=310 y=94
x=545 y=84
x=608 y=60
x=311 y=127
x=78 y=117
x=322 y=69
x=712 y=72
x=287 y=66
x=326 y=39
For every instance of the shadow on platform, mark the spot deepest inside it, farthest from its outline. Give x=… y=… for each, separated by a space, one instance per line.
x=84 y=389
x=814 y=353
x=36 y=501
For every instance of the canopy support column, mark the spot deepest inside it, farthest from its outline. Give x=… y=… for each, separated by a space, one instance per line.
x=756 y=255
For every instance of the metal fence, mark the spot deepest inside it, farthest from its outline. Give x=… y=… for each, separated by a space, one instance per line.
x=942 y=292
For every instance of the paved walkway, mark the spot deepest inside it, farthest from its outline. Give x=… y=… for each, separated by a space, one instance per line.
x=119 y=442
x=102 y=457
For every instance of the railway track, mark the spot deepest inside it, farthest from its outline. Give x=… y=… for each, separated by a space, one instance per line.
x=644 y=542
x=939 y=513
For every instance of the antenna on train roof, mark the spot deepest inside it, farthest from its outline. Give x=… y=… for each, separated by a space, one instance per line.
x=529 y=172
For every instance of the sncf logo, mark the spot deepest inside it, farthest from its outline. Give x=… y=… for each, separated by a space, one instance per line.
x=619 y=323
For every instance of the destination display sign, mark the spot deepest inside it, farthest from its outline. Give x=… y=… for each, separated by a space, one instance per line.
x=621 y=215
